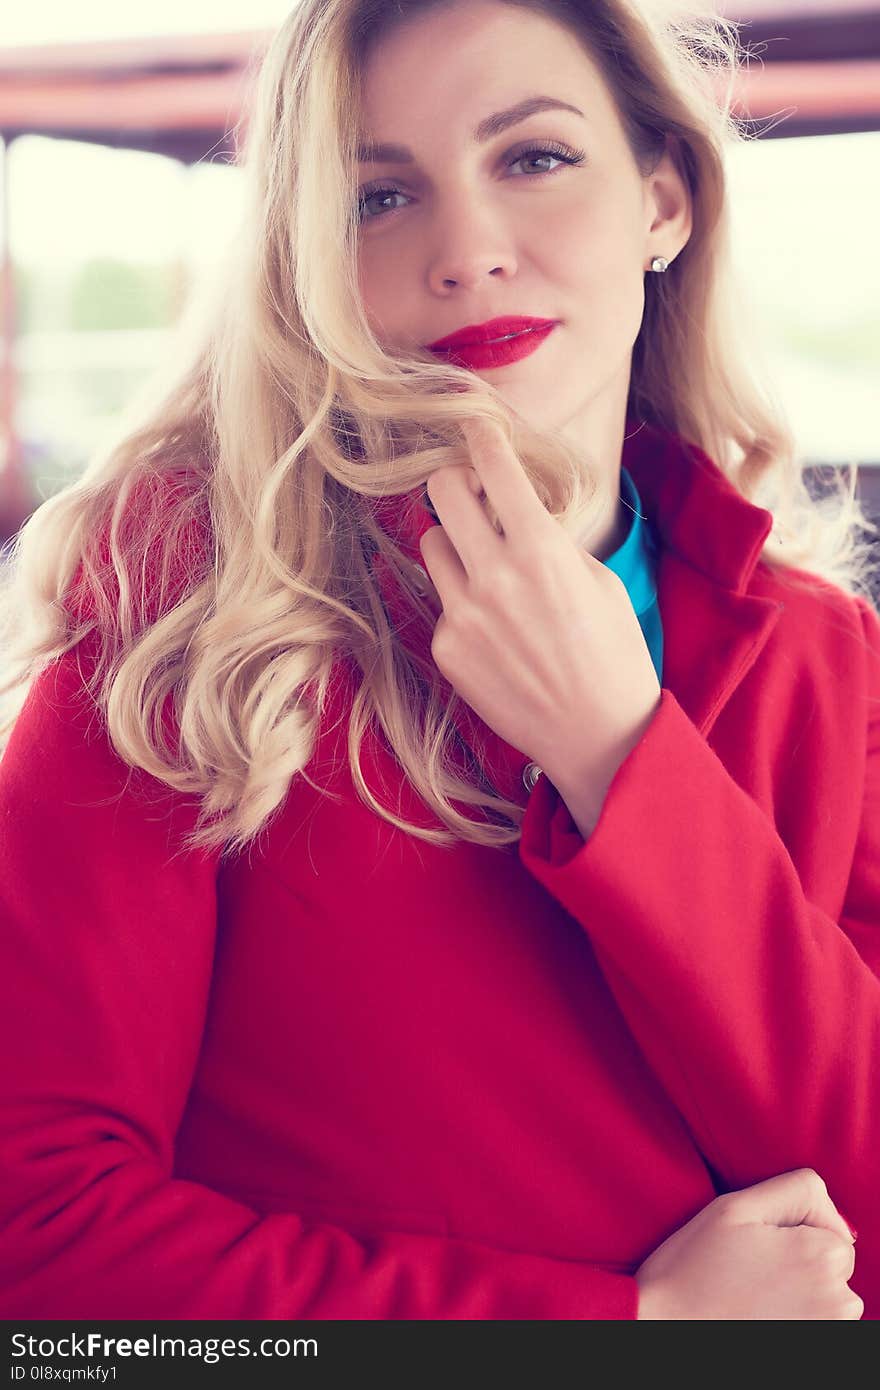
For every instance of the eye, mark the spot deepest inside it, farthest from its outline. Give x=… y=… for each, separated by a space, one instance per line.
x=367 y=197
x=549 y=149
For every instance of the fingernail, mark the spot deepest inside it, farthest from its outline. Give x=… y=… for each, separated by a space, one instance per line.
x=852 y=1230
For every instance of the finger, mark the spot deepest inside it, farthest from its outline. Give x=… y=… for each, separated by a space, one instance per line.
x=473 y=483
x=444 y=566
x=819 y=1209
x=798 y=1198
x=503 y=478
x=453 y=494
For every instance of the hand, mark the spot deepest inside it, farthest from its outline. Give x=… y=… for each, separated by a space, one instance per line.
x=777 y=1250
x=539 y=637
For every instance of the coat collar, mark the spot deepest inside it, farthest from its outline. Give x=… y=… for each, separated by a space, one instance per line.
x=710 y=541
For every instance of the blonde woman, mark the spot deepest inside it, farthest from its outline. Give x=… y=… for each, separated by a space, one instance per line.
x=441 y=794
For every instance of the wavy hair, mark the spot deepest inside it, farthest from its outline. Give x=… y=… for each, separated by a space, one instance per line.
x=215 y=558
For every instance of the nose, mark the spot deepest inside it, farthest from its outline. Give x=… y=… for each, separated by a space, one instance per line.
x=470 y=245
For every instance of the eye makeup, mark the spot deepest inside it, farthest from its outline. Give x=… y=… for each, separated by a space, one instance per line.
x=552 y=149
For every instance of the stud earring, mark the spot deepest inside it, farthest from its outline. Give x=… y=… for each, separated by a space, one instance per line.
x=660 y=263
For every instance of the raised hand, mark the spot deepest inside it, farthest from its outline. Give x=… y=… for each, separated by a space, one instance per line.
x=538 y=636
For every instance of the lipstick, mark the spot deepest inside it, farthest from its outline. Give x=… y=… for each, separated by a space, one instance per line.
x=494 y=343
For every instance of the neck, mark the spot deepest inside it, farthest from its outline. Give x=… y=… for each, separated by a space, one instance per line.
x=599 y=431
x=613 y=532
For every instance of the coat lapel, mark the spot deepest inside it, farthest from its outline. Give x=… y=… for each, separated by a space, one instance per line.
x=711 y=539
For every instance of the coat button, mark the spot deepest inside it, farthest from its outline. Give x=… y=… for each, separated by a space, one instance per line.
x=531 y=773
x=422 y=582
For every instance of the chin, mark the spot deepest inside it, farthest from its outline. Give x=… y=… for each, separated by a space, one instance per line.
x=543 y=417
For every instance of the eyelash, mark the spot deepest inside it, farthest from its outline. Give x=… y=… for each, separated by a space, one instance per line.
x=549 y=147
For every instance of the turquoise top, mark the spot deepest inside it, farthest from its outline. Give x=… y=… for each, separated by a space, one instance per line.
x=635 y=562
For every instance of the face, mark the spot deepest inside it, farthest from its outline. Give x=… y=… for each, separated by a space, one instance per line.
x=548 y=217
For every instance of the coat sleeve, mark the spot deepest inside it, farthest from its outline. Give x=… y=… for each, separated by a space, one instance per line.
x=106 y=949
x=758 y=1012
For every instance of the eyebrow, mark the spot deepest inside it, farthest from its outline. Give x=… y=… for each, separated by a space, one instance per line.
x=491 y=126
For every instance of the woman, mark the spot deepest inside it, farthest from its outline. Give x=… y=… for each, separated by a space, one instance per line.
x=547 y=985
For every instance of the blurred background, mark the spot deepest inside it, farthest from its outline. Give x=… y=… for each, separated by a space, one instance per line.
x=117 y=191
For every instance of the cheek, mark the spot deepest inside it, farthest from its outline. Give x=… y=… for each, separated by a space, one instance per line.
x=380 y=282
x=592 y=245
x=600 y=268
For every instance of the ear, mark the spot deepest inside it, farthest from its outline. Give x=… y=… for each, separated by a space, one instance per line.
x=668 y=207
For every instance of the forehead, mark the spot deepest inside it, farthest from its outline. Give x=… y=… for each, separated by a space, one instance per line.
x=453 y=66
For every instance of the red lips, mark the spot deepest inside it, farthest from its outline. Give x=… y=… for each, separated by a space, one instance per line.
x=485 y=332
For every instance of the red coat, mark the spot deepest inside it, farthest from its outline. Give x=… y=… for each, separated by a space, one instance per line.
x=351 y=1075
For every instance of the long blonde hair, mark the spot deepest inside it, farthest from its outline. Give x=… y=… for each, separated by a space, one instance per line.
x=218 y=554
